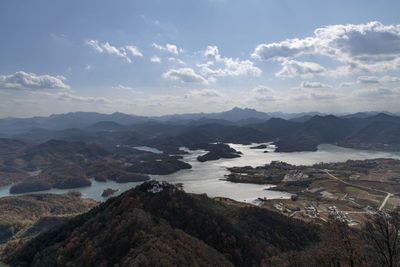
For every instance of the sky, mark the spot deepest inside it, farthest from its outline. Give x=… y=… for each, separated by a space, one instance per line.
x=160 y=57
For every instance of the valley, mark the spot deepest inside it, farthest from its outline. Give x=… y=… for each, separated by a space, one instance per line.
x=304 y=174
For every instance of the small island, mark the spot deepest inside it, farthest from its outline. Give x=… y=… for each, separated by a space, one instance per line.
x=109 y=192
x=219 y=151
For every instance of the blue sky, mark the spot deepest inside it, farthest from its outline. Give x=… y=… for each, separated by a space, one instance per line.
x=159 y=57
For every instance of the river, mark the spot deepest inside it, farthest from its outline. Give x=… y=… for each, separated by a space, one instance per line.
x=207 y=177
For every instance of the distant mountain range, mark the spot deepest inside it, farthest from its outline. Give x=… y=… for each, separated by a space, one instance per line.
x=295 y=132
x=81 y=120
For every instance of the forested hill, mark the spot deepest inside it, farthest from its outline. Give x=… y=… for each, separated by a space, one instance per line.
x=378 y=131
x=157 y=224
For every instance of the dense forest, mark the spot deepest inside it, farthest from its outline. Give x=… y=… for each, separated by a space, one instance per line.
x=160 y=225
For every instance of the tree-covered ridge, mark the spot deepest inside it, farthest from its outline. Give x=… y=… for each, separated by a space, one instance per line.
x=160 y=225
x=157 y=224
x=19 y=214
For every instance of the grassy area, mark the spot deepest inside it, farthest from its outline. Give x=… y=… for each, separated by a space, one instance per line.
x=389 y=206
x=355 y=190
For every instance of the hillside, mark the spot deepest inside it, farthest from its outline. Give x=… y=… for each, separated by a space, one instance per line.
x=157 y=224
x=377 y=135
x=19 y=214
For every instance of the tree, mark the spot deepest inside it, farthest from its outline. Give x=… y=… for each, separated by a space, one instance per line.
x=382 y=235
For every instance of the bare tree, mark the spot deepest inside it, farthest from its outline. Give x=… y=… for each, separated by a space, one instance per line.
x=382 y=236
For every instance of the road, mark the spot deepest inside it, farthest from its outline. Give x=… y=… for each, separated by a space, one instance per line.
x=354 y=185
x=388 y=195
x=385 y=200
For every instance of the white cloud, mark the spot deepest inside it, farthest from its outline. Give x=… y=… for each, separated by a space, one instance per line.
x=293 y=68
x=168 y=47
x=212 y=52
x=112 y=50
x=185 y=75
x=176 y=60
x=125 y=88
x=155 y=59
x=389 y=79
x=287 y=49
x=95 y=45
x=88 y=67
x=134 y=50
x=367 y=79
x=31 y=81
x=370 y=47
x=314 y=85
x=231 y=67
x=172 y=48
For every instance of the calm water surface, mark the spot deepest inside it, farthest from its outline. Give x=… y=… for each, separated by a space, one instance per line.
x=207 y=177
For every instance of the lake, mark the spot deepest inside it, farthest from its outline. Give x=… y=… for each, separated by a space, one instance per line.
x=207 y=177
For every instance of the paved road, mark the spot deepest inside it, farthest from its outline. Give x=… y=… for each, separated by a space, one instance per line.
x=385 y=200
x=355 y=185
x=388 y=195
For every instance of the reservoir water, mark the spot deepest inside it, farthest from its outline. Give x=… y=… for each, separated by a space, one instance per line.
x=207 y=177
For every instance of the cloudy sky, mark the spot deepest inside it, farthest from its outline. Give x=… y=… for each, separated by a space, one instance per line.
x=179 y=56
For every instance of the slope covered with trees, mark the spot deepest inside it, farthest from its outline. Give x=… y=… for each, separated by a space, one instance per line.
x=158 y=224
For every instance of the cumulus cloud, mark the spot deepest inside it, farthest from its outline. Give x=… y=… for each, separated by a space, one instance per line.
x=287 y=49
x=231 y=66
x=31 y=81
x=368 y=47
x=112 y=50
x=168 y=47
x=122 y=52
x=95 y=45
x=155 y=59
x=134 y=50
x=185 y=75
x=293 y=68
x=174 y=59
x=314 y=85
x=212 y=52
x=367 y=79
